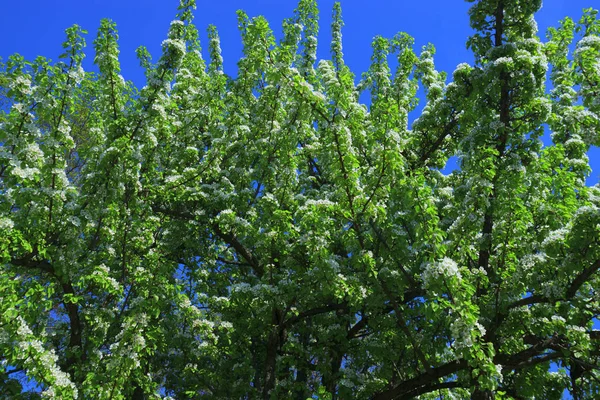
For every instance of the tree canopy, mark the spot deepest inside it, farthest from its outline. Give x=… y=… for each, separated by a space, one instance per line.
x=267 y=236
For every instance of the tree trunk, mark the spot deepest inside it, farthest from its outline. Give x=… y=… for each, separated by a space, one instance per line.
x=276 y=338
x=270 y=363
x=483 y=395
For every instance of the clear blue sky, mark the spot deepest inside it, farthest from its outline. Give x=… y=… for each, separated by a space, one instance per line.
x=36 y=27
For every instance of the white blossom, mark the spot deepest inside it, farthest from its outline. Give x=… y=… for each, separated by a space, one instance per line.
x=25 y=173
x=6 y=223
x=555 y=236
x=446 y=268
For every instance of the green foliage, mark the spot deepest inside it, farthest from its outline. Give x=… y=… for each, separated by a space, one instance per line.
x=267 y=236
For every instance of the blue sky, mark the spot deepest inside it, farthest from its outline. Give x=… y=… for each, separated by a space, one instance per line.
x=36 y=27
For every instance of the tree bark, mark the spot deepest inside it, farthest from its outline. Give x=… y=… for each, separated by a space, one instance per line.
x=483 y=395
x=276 y=337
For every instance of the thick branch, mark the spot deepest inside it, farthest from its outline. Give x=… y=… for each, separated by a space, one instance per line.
x=582 y=278
x=426 y=382
x=579 y=280
x=504 y=110
x=431 y=388
x=75 y=339
x=447 y=130
x=233 y=241
x=228 y=238
x=315 y=311
x=416 y=384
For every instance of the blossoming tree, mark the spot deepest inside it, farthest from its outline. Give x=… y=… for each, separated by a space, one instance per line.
x=266 y=236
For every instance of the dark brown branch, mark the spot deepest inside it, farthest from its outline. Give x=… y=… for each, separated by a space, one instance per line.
x=233 y=241
x=537 y=360
x=527 y=355
x=438 y=142
x=228 y=238
x=231 y=262
x=421 y=381
x=432 y=388
x=75 y=339
x=357 y=327
x=527 y=301
x=504 y=110
x=315 y=311
x=582 y=278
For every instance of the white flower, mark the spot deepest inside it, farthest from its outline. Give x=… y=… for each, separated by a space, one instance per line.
x=502 y=60
x=23 y=329
x=74 y=220
x=463 y=333
x=576 y=328
x=587 y=210
x=445 y=268
x=32 y=152
x=6 y=223
x=139 y=341
x=588 y=41
x=318 y=203
x=104 y=269
x=531 y=260
x=160 y=110
x=172 y=178
x=226 y=324
x=551 y=290
x=227 y=211
x=555 y=236
x=25 y=173
x=347 y=383
x=185 y=303
x=64 y=128
x=49 y=393
x=480 y=328
x=499 y=372
x=22 y=80
x=240 y=287
x=175 y=44
x=446 y=191
x=22 y=83
x=363 y=292
x=77 y=75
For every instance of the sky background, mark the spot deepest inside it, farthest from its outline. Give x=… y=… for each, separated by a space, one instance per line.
x=36 y=27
